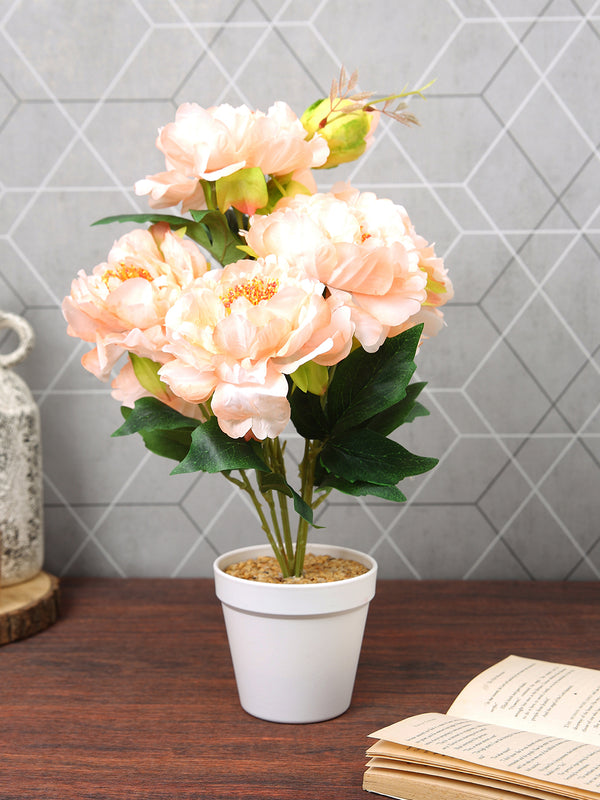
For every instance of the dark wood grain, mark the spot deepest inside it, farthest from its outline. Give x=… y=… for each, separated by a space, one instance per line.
x=131 y=693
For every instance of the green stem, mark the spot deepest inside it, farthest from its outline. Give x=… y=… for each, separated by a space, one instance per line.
x=247 y=486
x=307 y=473
x=283 y=503
x=402 y=94
x=210 y=194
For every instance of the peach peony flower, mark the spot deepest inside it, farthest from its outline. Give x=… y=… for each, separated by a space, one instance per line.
x=237 y=332
x=364 y=249
x=127 y=389
x=216 y=142
x=122 y=305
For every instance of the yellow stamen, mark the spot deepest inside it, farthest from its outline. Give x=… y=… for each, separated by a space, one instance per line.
x=124 y=272
x=254 y=291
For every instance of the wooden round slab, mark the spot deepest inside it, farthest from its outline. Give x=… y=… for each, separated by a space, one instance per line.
x=28 y=607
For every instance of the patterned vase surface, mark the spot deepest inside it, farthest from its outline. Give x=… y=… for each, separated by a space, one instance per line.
x=21 y=499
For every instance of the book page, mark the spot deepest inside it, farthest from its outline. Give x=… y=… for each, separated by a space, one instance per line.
x=544 y=758
x=539 y=696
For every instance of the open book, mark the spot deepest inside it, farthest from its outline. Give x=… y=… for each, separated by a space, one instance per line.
x=521 y=729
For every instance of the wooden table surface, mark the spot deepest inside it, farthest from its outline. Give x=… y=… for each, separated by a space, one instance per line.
x=131 y=693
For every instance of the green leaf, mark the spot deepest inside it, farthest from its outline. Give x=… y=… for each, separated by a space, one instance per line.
x=209 y=229
x=307 y=415
x=213 y=451
x=275 y=482
x=311 y=377
x=404 y=411
x=146 y=371
x=223 y=241
x=361 y=488
x=150 y=414
x=364 y=455
x=364 y=384
x=169 y=444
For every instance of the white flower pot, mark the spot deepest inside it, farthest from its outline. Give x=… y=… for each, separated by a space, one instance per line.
x=295 y=647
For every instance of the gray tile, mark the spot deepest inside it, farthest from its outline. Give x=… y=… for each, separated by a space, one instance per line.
x=132 y=154
x=83 y=461
x=60 y=41
x=506 y=394
x=543 y=111
x=451 y=357
x=524 y=200
x=581 y=268
x=499 y=563
x=358 y=43
x=546 y=37
x=441 y=541
x=472 y=59
x=555 y=359
x=476 y=261
x=391 y=564
x=504 y=496
x=572 y=491
x=201 y=11
x=558 y=557
x=469 y=131
x=575 y=84
x=460 y=411
x=22 y=280
x=465 y=472
x=25 y=161
x=152 y=78
x=147 y=541
x=511 y=85
x=581 y=399
x=92 y=561
x=580 y=198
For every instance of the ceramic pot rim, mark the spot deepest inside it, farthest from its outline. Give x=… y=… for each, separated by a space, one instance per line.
x=281 y=599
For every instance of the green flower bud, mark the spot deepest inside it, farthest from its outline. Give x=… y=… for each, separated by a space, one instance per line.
x=245 y=190
x=346 y=129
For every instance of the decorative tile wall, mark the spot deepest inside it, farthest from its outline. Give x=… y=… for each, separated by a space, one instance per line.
x=503 y=174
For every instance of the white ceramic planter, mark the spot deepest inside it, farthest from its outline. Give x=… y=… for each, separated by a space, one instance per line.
x=295 y=647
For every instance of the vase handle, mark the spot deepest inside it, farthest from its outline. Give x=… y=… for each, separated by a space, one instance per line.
x=26 y=338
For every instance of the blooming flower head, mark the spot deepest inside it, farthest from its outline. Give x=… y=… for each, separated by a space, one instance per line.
x=122 y=305
x=210 y=144
x=237 y=332
x=364 y=249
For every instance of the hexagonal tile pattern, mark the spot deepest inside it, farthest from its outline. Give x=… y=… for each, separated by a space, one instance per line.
x=502 y=175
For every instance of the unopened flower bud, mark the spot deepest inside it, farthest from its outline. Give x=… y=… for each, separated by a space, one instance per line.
x=347 y=129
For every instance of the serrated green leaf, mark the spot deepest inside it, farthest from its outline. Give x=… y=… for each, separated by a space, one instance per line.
x=275 y=482
x=362 y=488
x=364 y=384
x=213 y=451
x=402 y=412
x=150 y=414
x=364 y=455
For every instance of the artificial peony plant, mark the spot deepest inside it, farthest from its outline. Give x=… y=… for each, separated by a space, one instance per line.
x=310 y=310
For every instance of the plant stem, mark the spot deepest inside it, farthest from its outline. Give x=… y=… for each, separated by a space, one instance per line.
x=307 y=473
x=247 y=486
x=279 y=461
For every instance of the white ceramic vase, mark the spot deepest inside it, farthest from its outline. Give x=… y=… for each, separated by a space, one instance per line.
x=21 y=499
x=295 y=647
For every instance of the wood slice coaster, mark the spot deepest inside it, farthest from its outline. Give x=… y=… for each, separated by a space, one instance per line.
x=29 y=607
